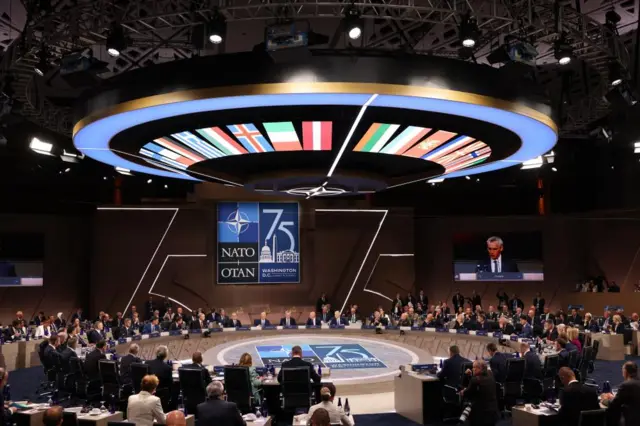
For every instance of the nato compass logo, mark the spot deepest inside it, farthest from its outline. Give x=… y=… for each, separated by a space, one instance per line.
x=238 y=222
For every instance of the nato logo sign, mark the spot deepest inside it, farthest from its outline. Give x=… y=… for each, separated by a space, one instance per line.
x=258 y=243
x=346 y=357
x=277 y=354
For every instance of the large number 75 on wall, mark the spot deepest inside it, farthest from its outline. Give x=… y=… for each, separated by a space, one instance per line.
x=282 y=225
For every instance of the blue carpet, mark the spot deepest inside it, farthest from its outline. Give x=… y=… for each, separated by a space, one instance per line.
x=24 y=383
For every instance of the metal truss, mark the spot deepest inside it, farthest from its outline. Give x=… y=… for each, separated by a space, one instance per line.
x=162 y=30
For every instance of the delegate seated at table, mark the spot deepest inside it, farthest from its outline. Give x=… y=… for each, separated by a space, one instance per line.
x=196 y=364
x=336 y=416
x=498 y=363
x=287 y=321
x=144 y=408
x=451 y=371
x=532 y=364
x=233 y=321
x=297 y=361
x=247 y=361
x=575 y=398
x=337 y=320
x=262 y=321
x=313 y=321
x=481 y=394
x=627 y=400
x=160 y=368
x=217 y=411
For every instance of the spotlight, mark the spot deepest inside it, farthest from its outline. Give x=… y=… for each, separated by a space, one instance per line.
x=562 y=51
x=104 y=178
x=41 y=147
x=67 y=170
x=166 y=186
x=124 y=171
x=217 y=28
x=534 y=163
x=636 y=147
x=467 y=178
x=435 y=180
x=615 y=72
x=150 y=180
x=468 y=31
x=43 y=64
x=353 y=23
x=116 y=41
x=554 y=169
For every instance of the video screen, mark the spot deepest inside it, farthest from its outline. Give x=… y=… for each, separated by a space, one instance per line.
x=21 y=259
x=513 y=256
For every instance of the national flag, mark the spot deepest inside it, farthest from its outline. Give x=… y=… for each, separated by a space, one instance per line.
x=283 y=136
x=447 y=148
x=198 y=145
x=406 y=139
x=250 y=137
x=167 y=153
x=151 y=154
x=460 y=152
x=429 y=144
x=317 y=135
x=173 y=146
x=221 y=140
x=376 y=137
x=470 y=160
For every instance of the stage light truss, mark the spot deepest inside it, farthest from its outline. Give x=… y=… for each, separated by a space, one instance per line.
x=160 y=31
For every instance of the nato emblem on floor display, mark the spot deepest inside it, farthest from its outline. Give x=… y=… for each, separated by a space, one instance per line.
x=258 y=243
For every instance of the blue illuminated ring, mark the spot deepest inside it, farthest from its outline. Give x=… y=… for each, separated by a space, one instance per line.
x=536 y=130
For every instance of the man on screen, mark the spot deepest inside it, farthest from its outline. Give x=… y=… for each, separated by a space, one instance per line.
x=496 y=262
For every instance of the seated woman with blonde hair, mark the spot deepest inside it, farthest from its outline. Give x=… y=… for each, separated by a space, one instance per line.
x=256 y=383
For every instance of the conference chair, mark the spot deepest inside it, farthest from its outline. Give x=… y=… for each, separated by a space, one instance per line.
x=69 y=419
x=533 y=390
x=583 y=367
x=513 y=382
x=238 y=386
x=84 y=388
x=573 y=359
x=452 y=404
x=138 y=371
x=592 y=418
x=550 y=371
x=193 y=388
x=109 y=379
x=465 y=378
x=296 y=388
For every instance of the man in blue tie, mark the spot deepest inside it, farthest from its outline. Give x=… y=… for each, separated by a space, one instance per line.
x=263 y=321
x=527 y=329
x=151 y=327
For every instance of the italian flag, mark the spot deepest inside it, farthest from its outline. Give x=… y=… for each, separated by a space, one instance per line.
x=316 y=135
x=283 y=136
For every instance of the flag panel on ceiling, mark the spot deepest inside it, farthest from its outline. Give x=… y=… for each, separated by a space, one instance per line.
x=283 y=136
x=201 y=146
x=429 y=144
x=447 y=148
x=161 y=158
x=167 y=153
x=469 y=159
x=169 y=144
x=376 y=137
x=221 y=140
x=406 y=139
x=250 y=137
x=461 y=152
x=317 y=135
x=469 y=163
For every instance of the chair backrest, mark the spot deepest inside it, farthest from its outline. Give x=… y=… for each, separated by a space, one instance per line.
x=69 y=419
x=108 y=372
x=193 y=386
x=238 y=386
x=596 y=347
x=592 y=418
x=296 y=387
x=515 y=370
x=138 y=371
x=573 y=359
x=551 y=363
x=75 y=364
x=464 y=378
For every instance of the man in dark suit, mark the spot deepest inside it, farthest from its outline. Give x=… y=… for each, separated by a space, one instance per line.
x=149 y=307
x=547 y=316
x=91 y=367
x=496 y=262
x=627 y=400
x=458 y=301
x=127 y=330
x=538 y=302
x=563 y=353
x=423 y=300
x=527 y=329
x=297 y=361
x=575 y=317
x=126 y=361
x=67 y=354
x=160 y=368
x=515 y=303
x=550 y=331
x=216 y=411
x=196 y=364
x=452 y=368
x=574 y=398
x=233 y=321
x=498 y=362
x=325 y=316
x=96 y=333
x=152 y=327
x=262 y=321
x=505 y=327
x=50 y=355
x=199 y=324
x=475 y=300
x=337 y=320
x=178 y=324
x=352 y=318
x=532 y=364
x=481 y=394
x=313 y=321
x=287 y=321
x=322 y=300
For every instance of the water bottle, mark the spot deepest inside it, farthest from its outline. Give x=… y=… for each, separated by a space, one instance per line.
x=112 y=406
x=50 y=401
x=7 y=392
x=258 y=413
x=347 y=409
x=320 y=370
x=606 y=387
x=181 y=406
x=340 y=404
x=265 y=408
x=441 y=362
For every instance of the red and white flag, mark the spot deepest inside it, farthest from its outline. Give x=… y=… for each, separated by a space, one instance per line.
x=316 y=135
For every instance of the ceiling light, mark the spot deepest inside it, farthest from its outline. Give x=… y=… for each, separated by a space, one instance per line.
x=124 y=171
x=435 y=180
x=67 y=170
x=104 y=178
x=615 y=72
x=353 y=23
x=468 y=31
x=116 y=40
x=562 y=51
x=636 y=147
x=150 y=180
x=166 y=186
x=467 y=178
x=554 y=169
x=216 y=28
x=41 y=147
x=534 y=163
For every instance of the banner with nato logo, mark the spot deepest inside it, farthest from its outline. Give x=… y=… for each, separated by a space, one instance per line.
x=258 y=243
x=334 y=356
